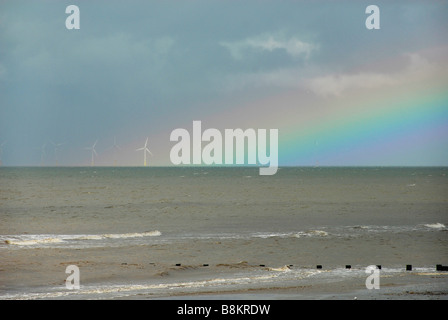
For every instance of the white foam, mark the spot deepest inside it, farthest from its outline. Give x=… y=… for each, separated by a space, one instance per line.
x=33 y=241
x=89 y=237
x=29 y=240
x=271 y=235
x=133 y=235
x=282 y=269
x=311 y=233
x=435 y=225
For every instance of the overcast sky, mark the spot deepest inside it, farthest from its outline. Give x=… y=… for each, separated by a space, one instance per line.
x=138 y=69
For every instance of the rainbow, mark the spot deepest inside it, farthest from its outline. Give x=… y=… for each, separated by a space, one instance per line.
x=410 y=123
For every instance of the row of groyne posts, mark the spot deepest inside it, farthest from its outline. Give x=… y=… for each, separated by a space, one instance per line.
x=439 y=267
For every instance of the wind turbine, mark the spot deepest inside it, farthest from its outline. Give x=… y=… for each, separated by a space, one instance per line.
x=93 y=152
x=57 y=146
x=145 y=149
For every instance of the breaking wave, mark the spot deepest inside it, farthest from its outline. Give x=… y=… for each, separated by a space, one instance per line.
x=42 y=239
x=312 y=233
x=437 y=225
x=308 y=233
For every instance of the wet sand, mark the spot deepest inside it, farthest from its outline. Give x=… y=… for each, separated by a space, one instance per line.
x=101 y=270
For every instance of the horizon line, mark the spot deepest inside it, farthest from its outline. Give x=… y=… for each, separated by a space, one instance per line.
x=226 y=166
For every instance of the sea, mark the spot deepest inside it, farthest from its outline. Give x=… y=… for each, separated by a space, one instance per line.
x=223 y=233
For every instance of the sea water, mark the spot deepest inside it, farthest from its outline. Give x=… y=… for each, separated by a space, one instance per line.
x=188 y=231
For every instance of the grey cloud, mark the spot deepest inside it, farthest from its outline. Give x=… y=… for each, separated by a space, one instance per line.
x=293 y=46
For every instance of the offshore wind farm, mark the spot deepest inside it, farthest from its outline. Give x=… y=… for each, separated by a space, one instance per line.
x=50 y=154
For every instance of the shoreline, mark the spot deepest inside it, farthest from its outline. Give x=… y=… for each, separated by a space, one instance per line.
x=238 y=281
